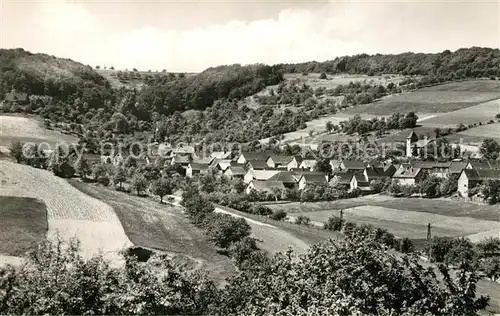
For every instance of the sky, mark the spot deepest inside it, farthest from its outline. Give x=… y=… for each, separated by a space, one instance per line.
x=190 y=36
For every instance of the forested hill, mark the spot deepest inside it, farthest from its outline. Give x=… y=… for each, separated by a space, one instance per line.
x=60 y=78
x=463 y=63
x=202 y=90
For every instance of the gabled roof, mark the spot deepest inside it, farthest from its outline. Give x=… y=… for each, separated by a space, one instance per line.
x=223 y=164
x=457 y=166
x=267 y=185
x=262 y=174
x=221 y=154
x=361 y=180
x=353 y=164
x=482 y=174
x=406 y=172
x=206 y=160
x=379 y=172
x=282 y=160
x=255 y=155
x=236 y=170
x=286 y=177
x=488 y=164
x=343 y=177
x=183 y=150
x=429 y=164
x=314 y=177
x=298 y=159
x=422 y=142
x=198 y=166
x=258 y=164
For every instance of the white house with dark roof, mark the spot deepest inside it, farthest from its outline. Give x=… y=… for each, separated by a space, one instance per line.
x=235 y=172
x=408 y=175
x=248 y=156
x=279 y=162
x=294 y=163
x=259 y=175
x=308 y=164
x=196 y=168
x=469 y=178
x=257 y=165
x=308 y=178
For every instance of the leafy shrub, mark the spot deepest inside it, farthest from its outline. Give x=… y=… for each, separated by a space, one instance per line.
x=302 y=220
x=407 y=246
x=334 y=223
x=278 y=215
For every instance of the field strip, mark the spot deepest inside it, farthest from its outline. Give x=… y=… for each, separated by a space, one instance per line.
x=15 y=261
x=483 y=235
x=70 y=213
x=219 y=210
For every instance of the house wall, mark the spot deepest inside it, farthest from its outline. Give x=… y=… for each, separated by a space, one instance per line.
x=241 y=159
x=463 y=184
x=292 y=164
x=248 y=177
x=302 y=183
x=270 y=162
x=354 y=183
x=249 y=188
x=189 y=172
x=406 y=181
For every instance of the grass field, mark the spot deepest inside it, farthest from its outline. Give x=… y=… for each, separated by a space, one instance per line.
x=405 y=217
x=479 y=113
x=23 y=224
x=478 y=134
x=437 y=99
x=70 y=213
x=152 y=225
x=28 y=129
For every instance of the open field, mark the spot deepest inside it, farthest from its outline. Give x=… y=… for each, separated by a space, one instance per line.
x=163 y=227
x=436 y=99
x=477 y=134
x=479 y=113
x=29 y=129
x=405 y=217
x=23 y=224
x=70 y=213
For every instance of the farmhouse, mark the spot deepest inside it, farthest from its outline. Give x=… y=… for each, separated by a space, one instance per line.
x=221 y=165
x=379 y=172
x=196 y=168
x=248 y=156
x=414 y=146
x=469 y=178
x=358 y=181
x=180 y=160
x=314 y=178
x=294 y=163
x=259 y=175
x=264 y=186
x=279 y=162
x=290 y=179
x=408 y=175
x=341 y=178
x=456 y=167
x=487 y=165
x=235 y=172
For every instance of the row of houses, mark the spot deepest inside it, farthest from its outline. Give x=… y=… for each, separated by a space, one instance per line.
x=263 y=171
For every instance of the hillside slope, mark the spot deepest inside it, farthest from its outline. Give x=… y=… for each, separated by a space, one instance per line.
x=41 y=74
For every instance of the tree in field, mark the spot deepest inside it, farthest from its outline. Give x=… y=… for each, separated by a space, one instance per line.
x=489 y=247
x=491 y=267
x=329 y=127
x=491 y=191
x=437 y=132
x=490 y=148
x=119 y=177
x=16 y=150
x=162 y=187
x=139 y=183
x=82 y=168
x=333 y=223
x=322 y=76
x=225 y=229
x=407 y=245
x=323 y=165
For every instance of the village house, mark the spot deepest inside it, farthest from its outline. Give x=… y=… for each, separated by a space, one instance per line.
x=290 y=179
x=456 y=167
x=264 y=186
x=379 y=172
x=308 y=164
x=315 y=178
x=194 y=168
x=470 y=178
x=294 y=163
x=235 y=172
x=415 y=147
x=220 y=165
x=248 y=156
x=259 y=175
x=279 y=162
x=408 y=175
x=335 y=165
x=341 y=178
x=358 y=181
x=180 y=160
